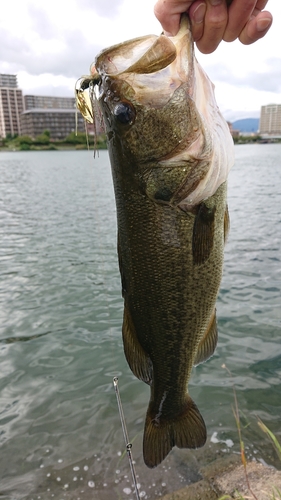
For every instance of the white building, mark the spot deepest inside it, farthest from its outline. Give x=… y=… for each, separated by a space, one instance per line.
x=11 y=106
x=270 y=120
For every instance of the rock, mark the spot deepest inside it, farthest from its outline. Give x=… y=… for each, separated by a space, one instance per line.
x=197 y=491
x=264 y=481
x=226 y=476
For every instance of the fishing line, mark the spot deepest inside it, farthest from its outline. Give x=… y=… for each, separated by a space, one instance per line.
x=126 y=437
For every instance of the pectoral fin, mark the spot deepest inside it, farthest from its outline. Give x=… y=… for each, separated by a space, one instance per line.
x=203 y=234
x=226 y=224
x=208 y=344
x=122 y=274
x=138 y=360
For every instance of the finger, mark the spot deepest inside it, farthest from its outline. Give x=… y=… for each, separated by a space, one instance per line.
x=196 y=14
x=214 y=26
x=256 y=28
x=239 y=13
x=260 y=4
x=169 y=13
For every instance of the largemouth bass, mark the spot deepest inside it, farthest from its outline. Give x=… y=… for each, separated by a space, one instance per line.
x=170 y=151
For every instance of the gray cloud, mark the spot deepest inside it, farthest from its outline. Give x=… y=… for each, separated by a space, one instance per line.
x=42 y=22
x=232 y=116
x=48 y=90
x=72 y=61
x=267 y=81
x=270 y=80
x=75 y=58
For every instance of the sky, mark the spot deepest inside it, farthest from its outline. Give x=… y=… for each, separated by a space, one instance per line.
x=50 y=44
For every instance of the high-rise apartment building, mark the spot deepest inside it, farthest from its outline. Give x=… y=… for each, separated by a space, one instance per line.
x=56 y=114
x=11 y=105
x=32 y=114
x=8 y=81
x=59 y=122
x=48 y=102
x=270 y=120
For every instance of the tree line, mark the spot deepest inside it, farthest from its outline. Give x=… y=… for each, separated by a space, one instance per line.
x=76 y=140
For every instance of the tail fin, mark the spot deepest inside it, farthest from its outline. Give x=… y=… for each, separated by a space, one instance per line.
x=187 y=430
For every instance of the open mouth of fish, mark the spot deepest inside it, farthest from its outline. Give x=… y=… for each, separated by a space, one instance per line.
x=152 y=68
x=149 y=63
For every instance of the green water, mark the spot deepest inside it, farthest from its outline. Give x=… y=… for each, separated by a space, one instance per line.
x=60 y=330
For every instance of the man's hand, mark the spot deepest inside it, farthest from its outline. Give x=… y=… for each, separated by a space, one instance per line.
x=215 y=20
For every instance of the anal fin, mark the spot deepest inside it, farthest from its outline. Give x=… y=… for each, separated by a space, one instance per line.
x=138 y=360
x=208 y=344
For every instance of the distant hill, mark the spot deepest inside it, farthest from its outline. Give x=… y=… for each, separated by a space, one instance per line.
x=246 y=125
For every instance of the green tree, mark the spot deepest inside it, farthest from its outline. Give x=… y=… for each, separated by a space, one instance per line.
x=23 y=139
x=76 y=138
x=24 y=147
x=42 y=139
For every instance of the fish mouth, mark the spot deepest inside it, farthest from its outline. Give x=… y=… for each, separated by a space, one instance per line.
x=154 y=66
x=142 y=76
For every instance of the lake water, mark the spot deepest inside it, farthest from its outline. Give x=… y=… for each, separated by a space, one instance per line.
x=60 y=331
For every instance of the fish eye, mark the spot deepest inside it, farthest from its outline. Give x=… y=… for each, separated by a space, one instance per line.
x=125 y=113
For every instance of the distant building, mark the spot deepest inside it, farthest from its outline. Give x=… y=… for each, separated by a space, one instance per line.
x=8 y=81
x=270 y=120
x=11 y=105
x=56 y=114
x=32 y=114
x=48 y=102
x=60 y=122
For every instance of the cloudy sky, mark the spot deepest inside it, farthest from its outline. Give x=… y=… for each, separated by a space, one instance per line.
x=50 y=44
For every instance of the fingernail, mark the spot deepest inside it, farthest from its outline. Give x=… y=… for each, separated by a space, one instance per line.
x=263 y=24
x=199 y=13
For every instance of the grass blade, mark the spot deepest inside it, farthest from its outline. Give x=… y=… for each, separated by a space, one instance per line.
x=270 y=434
